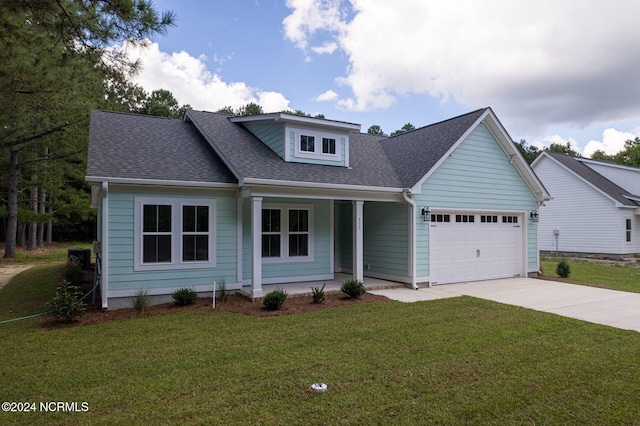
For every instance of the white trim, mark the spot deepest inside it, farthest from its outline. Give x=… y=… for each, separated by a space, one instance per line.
x=176 y=233
x=358 y=240
x=160 y=182
x=388 y=277
x=321 y=185
x=293 y=280
x=280 y=117
x=239 y=234
x=317 y=135
x=332 y=248
x=284 y=233
x=256 y=246
x=104 y=279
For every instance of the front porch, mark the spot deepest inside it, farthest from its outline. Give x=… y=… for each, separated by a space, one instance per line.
x=302 y=289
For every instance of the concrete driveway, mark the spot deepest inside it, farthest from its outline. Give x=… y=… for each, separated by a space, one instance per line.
x=609 y=307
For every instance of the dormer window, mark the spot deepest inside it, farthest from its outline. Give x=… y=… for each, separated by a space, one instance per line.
x=329 y=146
x=307 y=143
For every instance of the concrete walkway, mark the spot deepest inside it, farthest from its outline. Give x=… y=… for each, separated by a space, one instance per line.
x=601 y=306
x=8 y=271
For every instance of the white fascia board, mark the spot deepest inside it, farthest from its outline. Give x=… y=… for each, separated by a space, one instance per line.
x=268 y=188
x=607 y=164
x=291 y=118
x=516 y=158
x=165 y=183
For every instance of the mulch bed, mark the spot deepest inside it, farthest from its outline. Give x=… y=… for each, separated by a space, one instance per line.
x=235 y=304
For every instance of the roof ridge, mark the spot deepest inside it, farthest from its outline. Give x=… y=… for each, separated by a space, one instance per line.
x=137 y=114
x=441 y=122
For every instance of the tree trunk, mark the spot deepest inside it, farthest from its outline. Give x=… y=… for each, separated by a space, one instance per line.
x=32 y=239
x=42 y=210
x=22 y=233
x=49 y=237
x=12 y=218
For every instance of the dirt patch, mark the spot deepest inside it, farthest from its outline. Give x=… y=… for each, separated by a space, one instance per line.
x=236 y=304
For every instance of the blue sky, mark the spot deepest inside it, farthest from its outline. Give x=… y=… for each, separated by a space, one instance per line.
x=552 y=71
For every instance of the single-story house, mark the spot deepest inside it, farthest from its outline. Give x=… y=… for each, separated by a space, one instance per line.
x=595 y=207
x=282 y=198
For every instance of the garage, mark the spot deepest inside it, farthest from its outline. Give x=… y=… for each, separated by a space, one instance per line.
x=474 y=246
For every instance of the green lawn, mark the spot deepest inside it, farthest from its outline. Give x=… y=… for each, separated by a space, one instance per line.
x=613 y=275
x=450 y=361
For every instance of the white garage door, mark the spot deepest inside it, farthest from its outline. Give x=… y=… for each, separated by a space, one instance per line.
x=471 y=247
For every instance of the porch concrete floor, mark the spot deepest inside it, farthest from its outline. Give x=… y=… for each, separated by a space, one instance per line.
x=301 y=289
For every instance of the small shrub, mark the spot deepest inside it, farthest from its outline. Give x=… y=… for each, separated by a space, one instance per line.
x=223 y=293
x=184 y=296
x=353 y=288
x=563 y=269
x=73 y=272
x=274 y=300
x=66 y=303
x=318 y=293
x=141 y=301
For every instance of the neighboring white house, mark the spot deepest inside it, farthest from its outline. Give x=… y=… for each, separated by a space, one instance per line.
x=280 y=198
x=595 y=207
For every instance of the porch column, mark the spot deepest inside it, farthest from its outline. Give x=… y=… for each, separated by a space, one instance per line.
x=256 y=244
x=358 y=245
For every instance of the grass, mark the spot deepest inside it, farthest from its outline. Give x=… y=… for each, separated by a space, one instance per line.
x=54 y=253
x=452 y=361
x=612 y=275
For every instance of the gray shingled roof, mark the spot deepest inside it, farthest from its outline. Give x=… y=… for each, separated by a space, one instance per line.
x=250 y=158
x=594 y=178
x=133 y=146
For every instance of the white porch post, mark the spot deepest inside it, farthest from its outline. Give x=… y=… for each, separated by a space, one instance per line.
x=358 y=244
x=256 y=244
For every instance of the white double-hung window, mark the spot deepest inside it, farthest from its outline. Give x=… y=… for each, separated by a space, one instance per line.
x=287 y=233
x=174 y=233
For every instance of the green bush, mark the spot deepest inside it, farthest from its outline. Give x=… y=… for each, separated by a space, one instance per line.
x=141 y=301
x=274 y=300
x=66 y=303
x=563 y=269
x=353 y=288
x=184 y=296
x=318 y=293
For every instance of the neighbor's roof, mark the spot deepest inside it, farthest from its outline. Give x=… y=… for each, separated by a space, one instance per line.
x=133 y=146
x=594 y=178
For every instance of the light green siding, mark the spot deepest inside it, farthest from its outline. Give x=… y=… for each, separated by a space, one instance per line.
x=121 y=231
x=386 y=239
x=321 y=264
x=478 y=175
x=271 y=135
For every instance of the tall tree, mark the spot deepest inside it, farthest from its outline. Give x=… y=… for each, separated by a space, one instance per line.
x=162 y=103
x=630 y=155
x=529 y=152
x=563 y=149
x=53 y=63
x=406 y=128
x=375 y=130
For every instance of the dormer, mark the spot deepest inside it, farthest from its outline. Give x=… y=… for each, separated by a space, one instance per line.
x=302 y=139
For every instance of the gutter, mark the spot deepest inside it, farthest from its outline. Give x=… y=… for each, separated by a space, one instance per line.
x=406 y=193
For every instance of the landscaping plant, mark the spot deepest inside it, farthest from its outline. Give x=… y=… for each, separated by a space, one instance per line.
x=274 y=300
x=67 y=303
x=318 y=293
x=353 y=288
x=141 y=301
x=223 y=293
x=184 y=296
x=563 y=269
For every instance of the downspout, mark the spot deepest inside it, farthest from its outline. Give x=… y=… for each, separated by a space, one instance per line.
x=104 y=243
x=406 y=193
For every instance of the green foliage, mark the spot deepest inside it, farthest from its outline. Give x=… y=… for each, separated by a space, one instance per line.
x=184 y=296
x=529 y=152
x=223 y=293
x=73 y=272
x=563 y=270
x=250 y=109
x=353 y=288
x=318 y=293
x=274 y=300
x=375 y=130
x=406 y=128
x=67 y=303
x=141 y=301
x=563 y=149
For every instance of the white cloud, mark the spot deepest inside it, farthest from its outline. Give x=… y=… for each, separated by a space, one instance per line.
x=537 y=63
x=612 y=142
x=329 y=95
x=325 y=48
x=190 y=82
